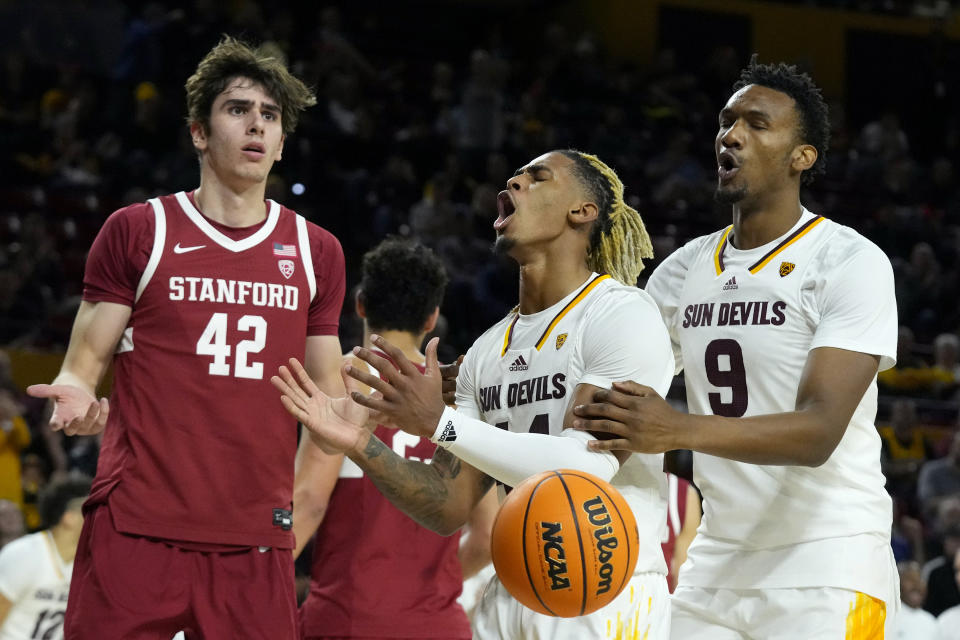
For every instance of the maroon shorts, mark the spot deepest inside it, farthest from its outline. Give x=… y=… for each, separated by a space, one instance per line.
x=133 y=588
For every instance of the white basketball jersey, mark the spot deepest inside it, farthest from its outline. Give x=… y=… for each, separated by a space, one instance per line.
x=521 y=375
x=742 y=324
x=36 y=581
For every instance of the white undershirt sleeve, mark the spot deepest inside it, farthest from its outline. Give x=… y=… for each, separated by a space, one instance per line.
x=512 y=457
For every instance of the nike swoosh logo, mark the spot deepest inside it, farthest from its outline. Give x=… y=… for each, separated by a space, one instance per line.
x=179 y=249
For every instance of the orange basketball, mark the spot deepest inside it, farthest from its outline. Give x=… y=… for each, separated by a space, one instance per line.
x=564 y=543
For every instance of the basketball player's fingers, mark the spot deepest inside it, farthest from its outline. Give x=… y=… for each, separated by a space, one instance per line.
x=80 y=423
x=292 y=388
x=610 y=445
x=634 y=389
x=383 y=366
x=593 y=410
x=294 y=410
x=306 y=382
x=101 y=422
x=41 y=391
x=373 y=403
x=401 y=361
x=372 y=381
x=432 y=364
x=607 y=425
x=284 y=388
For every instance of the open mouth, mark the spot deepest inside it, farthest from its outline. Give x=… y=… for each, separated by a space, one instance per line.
x=727 y=166
x=505 y=210
x=254 y=149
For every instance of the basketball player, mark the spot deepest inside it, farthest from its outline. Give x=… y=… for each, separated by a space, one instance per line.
x=780 y=322
x=579 y=246
x=198 y=294
x=375 y=572
x=35 y=569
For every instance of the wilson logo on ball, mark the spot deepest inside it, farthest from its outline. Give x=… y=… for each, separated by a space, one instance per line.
x=554 y=555
x=599 y=517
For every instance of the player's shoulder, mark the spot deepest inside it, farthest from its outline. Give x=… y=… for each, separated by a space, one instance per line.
x=839 y=245
x=23 y=551
x=321 y=239
x=680 y=260
x=615 y=295
x=132 y=215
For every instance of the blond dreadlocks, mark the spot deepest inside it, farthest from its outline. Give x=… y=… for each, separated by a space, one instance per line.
x=618 y=241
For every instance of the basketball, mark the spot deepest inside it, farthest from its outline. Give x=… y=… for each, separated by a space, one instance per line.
x=564 y=543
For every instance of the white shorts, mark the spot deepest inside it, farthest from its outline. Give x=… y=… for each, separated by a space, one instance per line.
x=813 y=613
x=642 y=610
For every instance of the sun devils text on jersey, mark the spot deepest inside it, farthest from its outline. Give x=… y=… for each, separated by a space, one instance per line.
x=742 y=323
x=521 y=374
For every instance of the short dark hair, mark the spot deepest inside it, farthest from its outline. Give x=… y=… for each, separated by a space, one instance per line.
x=813 y=111
x=56 y=497
x=231 y=59
x=403 y=282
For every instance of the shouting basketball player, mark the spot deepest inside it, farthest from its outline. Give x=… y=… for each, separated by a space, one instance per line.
x=581 y=325
x=199 y=294
x=781 y=322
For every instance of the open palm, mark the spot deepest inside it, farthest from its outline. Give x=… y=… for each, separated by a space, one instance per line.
x=335 y=424
x=74 y=410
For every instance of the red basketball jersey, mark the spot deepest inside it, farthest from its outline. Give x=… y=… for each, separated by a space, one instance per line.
x=377 y=573
x=198 y=447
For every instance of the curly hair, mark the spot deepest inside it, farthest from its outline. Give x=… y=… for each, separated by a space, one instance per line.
x=231 y=59
x=813 y=111
x=402 y=283
x=618 y=240
x=58 y=497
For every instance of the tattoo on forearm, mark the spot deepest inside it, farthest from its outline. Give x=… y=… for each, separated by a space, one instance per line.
x=420 y=490
x=446 y=464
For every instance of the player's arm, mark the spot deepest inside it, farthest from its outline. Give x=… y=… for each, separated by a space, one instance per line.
x=438 y=495
x=414 y=402
x=858 y=321
x=96 y=331
x=474 y=551
x=316 y=471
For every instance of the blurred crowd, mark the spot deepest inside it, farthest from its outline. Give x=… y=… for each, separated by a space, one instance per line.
x=424 y=112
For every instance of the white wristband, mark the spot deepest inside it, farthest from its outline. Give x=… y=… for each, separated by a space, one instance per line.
x=511 y=457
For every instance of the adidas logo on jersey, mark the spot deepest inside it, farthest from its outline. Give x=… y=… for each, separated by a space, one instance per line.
x=519 y=364
x=449 y=433
x=731 y=284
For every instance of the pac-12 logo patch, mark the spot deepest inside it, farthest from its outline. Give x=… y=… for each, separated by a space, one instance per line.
x=286 y=268
x=786 y=268
x=560 y=340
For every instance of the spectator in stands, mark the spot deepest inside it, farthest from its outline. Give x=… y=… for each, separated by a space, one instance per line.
x=940 y=479
x=904 y=447
x=946 y=364
x=939 y=575
x=14 y=438
x=911 y=373
x=913 y=623
x=948 y=622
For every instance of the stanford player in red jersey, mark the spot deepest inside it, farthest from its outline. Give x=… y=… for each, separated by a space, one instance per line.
x=194 y=297
x=375 y=572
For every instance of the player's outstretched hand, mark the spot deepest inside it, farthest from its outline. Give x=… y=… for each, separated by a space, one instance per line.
x=636 y=417
x=448 y=380
x=407 y=398
x=335 y=424
x=75 y=410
